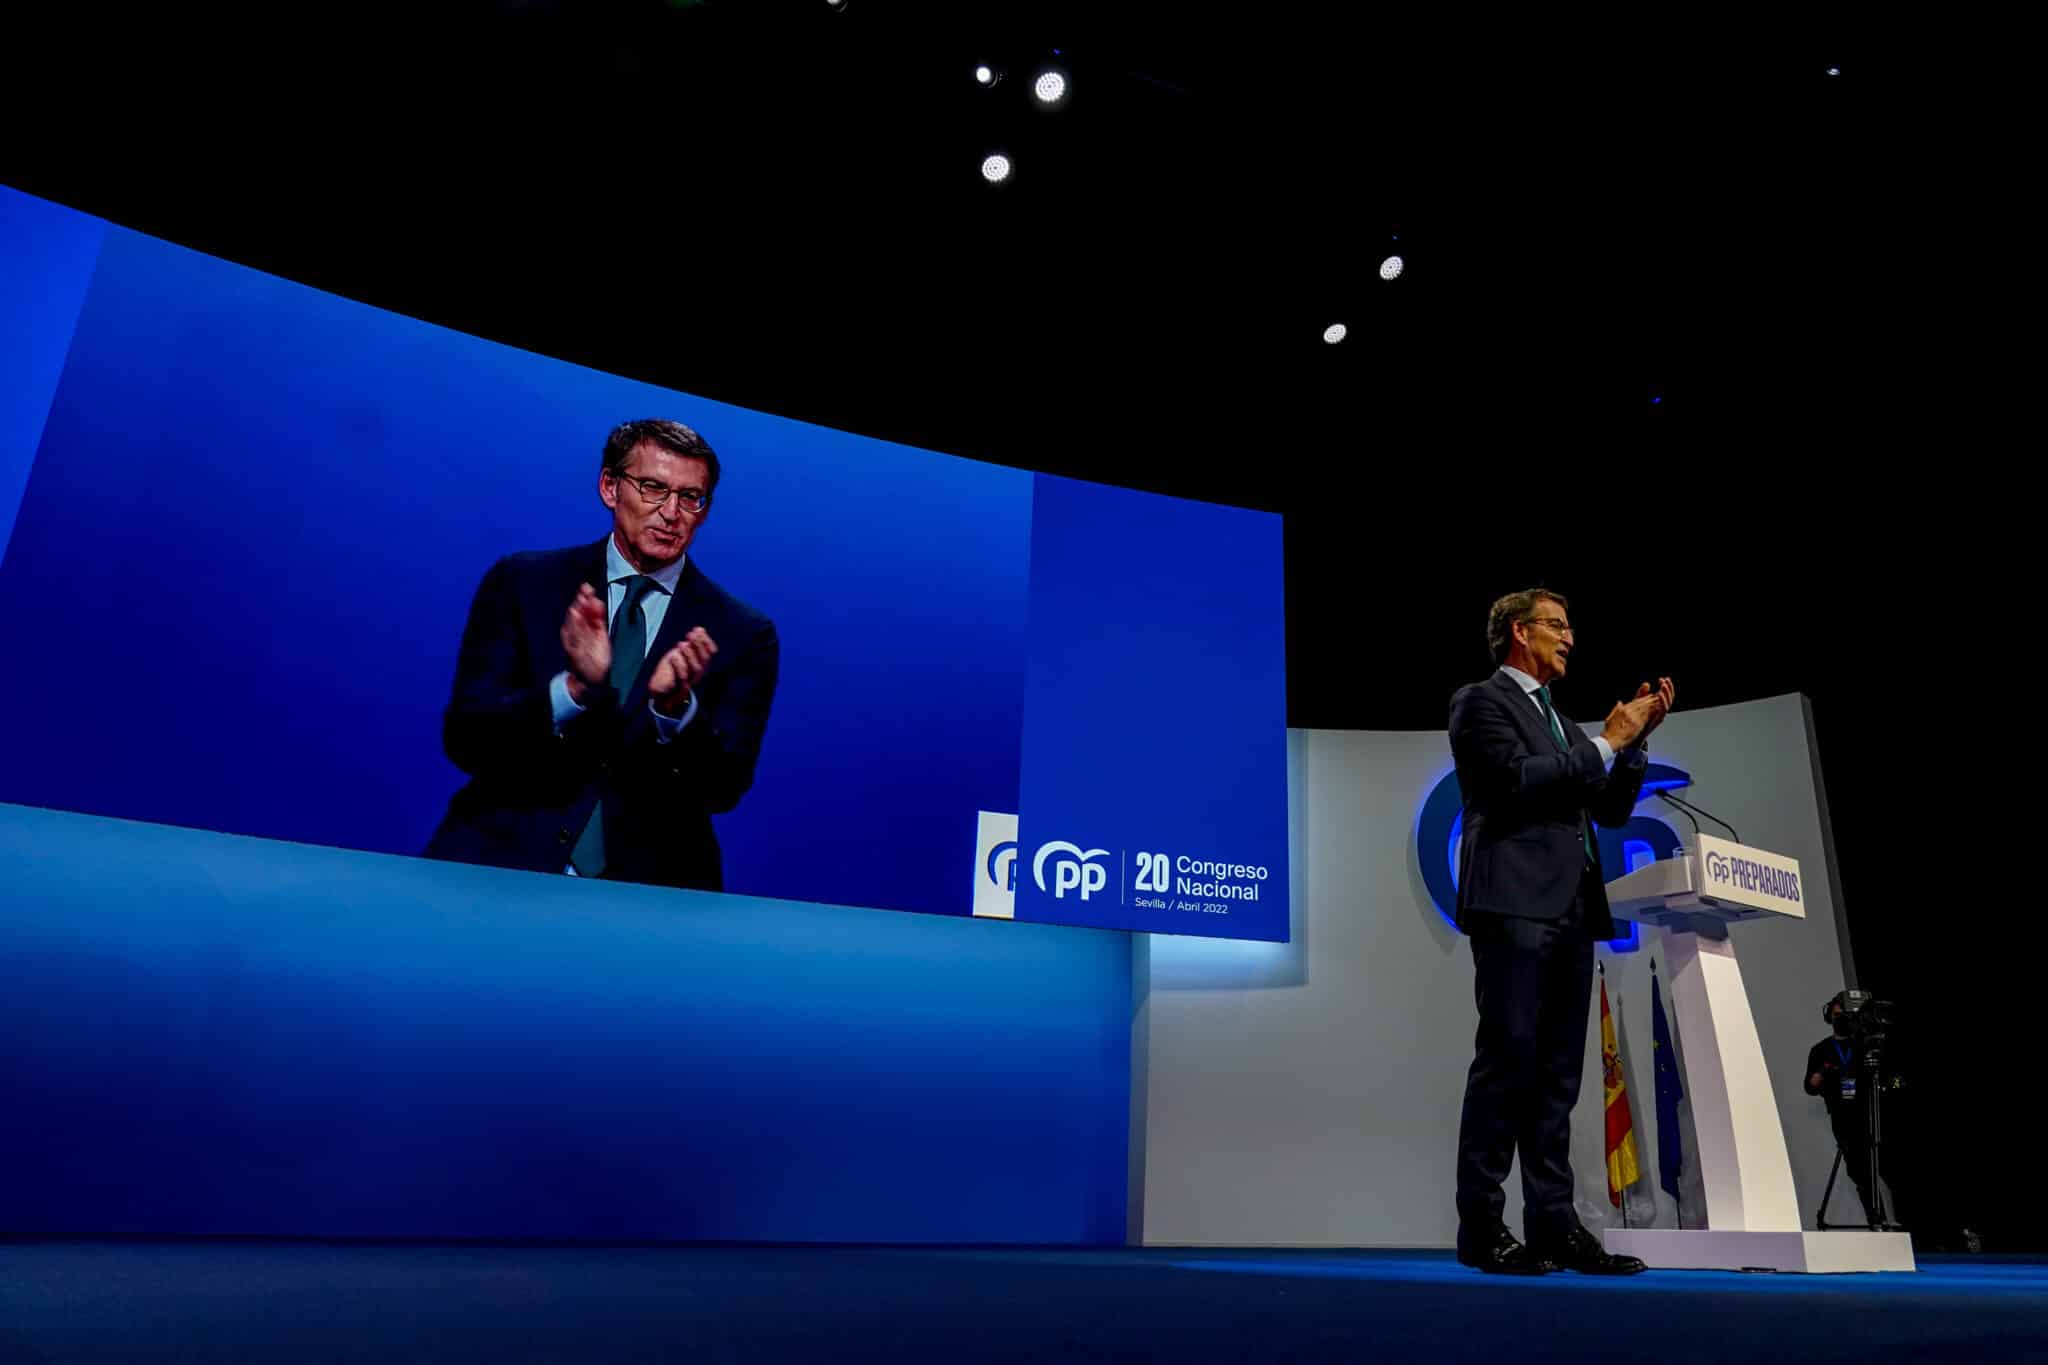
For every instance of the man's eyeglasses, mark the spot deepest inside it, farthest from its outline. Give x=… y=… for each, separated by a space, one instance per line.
x=1556 y=623
x=654 y=493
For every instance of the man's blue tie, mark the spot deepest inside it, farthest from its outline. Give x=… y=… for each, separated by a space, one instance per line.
x=1550 y=714
x=629 y=652
x=1557 y=733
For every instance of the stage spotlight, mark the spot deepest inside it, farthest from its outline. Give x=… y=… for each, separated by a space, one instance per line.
x=995 y=168
x=986 y=76
x=1391 y=267
x=1834 y=71
x=1334 y=333
x=835 y=4
x=1050 y=88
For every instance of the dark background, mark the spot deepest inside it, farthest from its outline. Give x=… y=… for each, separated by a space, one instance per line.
x=1691 y=331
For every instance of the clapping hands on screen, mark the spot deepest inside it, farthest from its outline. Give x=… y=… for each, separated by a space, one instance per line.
x=680 y=670
x=587 y=640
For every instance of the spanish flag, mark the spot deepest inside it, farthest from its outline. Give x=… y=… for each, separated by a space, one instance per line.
x=1622 y=1170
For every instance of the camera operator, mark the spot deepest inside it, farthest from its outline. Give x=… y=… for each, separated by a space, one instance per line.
x=1835 y=1071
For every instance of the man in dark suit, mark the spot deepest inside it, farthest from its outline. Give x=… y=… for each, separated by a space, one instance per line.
x=610 y=699
x=1532 y=901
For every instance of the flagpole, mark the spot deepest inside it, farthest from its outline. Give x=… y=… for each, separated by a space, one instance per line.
x=1624 y=1074
x=1623 y=1167
x=1669 y=1095
x=1622 y=1193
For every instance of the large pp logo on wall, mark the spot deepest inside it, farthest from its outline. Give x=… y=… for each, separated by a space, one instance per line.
x=1440 y=825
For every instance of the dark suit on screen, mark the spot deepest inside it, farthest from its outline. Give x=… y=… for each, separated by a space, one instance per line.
x=1534 y=906
x=532 y=787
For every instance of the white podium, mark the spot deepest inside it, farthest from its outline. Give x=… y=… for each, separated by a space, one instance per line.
x=1752 y=1210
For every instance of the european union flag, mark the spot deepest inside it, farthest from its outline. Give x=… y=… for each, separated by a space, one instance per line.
x=1670 y=1157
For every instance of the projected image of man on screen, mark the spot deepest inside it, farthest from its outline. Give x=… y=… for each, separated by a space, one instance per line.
x=610 y=698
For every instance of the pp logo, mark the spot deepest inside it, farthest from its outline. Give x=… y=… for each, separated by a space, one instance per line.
x=1439 y=828
x=1717 y=867
x=1073 y=869
x=995 y=865
x=1002 y=866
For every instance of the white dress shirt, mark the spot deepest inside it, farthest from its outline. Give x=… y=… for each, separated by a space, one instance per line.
x=1529 y=686
x=655 y=607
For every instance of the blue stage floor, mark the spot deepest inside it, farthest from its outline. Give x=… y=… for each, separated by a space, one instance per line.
x=194 y=1302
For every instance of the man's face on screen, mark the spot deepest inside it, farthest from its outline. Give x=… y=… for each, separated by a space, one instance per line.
x=654 y=534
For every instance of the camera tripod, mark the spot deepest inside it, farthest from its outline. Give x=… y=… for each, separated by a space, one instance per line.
x=1879 y=1217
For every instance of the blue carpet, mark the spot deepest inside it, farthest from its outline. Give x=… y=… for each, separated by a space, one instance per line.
x=200 y=1302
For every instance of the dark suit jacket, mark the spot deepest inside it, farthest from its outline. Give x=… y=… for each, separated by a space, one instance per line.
x=530 y=790
x=1526 y=802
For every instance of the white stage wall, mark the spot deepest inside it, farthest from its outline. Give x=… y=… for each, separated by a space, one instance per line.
x=1307 y=1093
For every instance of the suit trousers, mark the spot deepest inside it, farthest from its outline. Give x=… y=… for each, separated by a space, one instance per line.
x=1533 y=982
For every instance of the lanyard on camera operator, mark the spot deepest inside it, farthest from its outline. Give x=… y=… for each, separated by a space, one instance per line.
x=1848 y=1081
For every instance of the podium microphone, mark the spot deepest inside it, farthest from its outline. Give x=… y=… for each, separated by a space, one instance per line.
x=1692 y=810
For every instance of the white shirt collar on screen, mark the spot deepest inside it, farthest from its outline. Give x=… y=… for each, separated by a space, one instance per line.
x=654 y=606
x=616 y=568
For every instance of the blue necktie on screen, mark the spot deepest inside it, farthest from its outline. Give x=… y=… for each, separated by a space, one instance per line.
x=629 y=653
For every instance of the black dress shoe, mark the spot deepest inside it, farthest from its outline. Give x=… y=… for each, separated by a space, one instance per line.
x=1580 y=1250
x=1498 y=1253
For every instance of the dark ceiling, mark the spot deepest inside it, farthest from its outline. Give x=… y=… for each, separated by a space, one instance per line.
x=1642 y=263
x=1665 y=339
